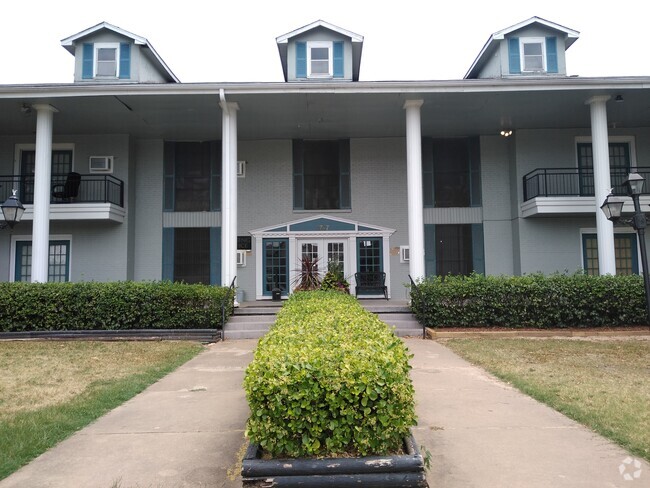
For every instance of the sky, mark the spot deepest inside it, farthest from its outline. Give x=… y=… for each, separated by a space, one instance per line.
x=234 y=40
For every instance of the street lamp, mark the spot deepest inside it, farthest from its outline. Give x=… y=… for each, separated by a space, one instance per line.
x=12 y=210
x=612 y=207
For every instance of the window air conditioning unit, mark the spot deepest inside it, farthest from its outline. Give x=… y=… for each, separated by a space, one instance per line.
x=404 y=254
x=241 y=258
x=241 y=169
x=100 y=164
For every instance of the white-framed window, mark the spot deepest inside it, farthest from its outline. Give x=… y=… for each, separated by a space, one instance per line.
x=241 y=258
x=532 y=51
x=626 y=252
x=100 y=164
x=58 y=258
x=404 y=254
x=106 y=60
x=319 y=59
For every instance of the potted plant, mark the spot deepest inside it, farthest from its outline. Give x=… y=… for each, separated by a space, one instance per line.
x=308 y=277
x=334 y=278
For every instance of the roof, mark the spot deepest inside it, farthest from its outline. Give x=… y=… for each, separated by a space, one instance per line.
x=492 y=43
x=70 y=44
x=357 y=44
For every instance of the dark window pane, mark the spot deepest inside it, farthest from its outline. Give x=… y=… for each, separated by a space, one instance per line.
x=192 y=255
x=192 y=177
x=451 y=173
x=321 y=175
x=369 y=255
x=276 y=269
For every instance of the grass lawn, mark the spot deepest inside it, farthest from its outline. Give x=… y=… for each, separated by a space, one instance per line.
x=49 y=389
x=604 y=385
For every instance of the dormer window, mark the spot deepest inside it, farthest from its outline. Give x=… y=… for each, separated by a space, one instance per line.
x=319 y=59
x=106 y=61
x=533 y=55
x=106 y=56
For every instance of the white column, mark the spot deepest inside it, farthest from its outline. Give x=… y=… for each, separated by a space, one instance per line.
x=414 y=188
x=42 y=186
x=602 y=183
x=229 y=192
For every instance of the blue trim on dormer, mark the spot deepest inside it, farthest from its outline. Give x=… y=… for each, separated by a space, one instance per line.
x=514 y=61
x=125 y=60
x=551 y=55
x=301 y=60
x=87 y=61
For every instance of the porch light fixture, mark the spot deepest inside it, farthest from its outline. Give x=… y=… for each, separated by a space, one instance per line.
x=506 y=133
x=12 y=210
x=612 y=207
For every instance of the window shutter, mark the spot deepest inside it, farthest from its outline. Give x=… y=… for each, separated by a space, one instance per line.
x=344 y=173
x=551 y=55
x=429 y=249
x=125 y=60
x=427 y=171
x=87 y=61
x=169 y=166
x=338 y=59
x=513 y=55
x=215 y=256
x=475 y=194
x=215 y=175
x=168 y=254
x=298 y=175
x=301 y=60
x=478 y=253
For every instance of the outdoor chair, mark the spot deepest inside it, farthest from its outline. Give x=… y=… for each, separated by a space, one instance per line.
x=68 y=190
x=370 y=283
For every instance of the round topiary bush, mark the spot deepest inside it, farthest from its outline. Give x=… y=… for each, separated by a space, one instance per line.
x=329 y=379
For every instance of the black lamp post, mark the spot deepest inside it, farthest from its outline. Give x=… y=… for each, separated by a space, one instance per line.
x=612 y=207
x=12 y=210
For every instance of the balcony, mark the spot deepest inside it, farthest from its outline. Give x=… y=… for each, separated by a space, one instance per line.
x=97 y=197
x=570 y=191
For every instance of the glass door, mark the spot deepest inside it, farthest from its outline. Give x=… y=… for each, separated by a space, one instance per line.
x=276 y=265
x=319 y=253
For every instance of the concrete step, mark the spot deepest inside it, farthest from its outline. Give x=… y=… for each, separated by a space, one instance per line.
x=386 y=307
x=251 y=319
x=405 y=324
x=244 y=334
x=248 y=326
x=256 y=310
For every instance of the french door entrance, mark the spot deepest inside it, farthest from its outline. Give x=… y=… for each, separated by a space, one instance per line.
x=322 y=252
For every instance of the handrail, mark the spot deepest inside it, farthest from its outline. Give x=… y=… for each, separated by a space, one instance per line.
x=566 y=182
x=417 y=290
x=93 y=188
x=231 y=296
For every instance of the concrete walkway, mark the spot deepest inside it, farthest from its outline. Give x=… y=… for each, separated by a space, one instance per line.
x=187 y=431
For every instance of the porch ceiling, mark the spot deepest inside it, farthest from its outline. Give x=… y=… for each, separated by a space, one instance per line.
x=368 y=112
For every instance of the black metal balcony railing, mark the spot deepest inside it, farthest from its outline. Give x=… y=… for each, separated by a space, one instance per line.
x=91 y=189
x=574 y=182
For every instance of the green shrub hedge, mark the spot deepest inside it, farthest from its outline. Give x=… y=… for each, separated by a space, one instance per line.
x=535 y=301
x=110 y=306
x=329 y=378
